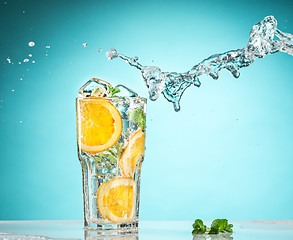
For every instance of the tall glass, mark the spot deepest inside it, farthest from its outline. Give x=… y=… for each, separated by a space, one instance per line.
x=111 y=144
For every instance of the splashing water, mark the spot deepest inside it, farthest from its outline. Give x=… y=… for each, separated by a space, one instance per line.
x=173 y=84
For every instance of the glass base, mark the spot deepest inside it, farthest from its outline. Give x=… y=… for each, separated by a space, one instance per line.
x=112 y=228
x=94 y=235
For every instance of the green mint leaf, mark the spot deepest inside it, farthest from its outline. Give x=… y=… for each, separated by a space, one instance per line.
x=113 y=91
x=217 y=226
x=118 y=147
x=214 y=230
x=138 y=117
x=220 y=225
x=198 y=227
x=112 y=153
x=229 y=228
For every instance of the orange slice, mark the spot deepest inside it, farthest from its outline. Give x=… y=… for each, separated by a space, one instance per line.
x=132 y=153
x=116 y=200
x=99 y=124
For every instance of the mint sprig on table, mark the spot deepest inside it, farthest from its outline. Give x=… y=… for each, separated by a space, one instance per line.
x=198 y=227
x=218 y=226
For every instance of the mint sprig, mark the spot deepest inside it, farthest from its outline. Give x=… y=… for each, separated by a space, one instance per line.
x=109 y=157
x=113 y=91
x=198 y=227
x=218 y=226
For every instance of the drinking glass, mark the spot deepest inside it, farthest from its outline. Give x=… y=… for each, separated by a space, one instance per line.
x=111 y=144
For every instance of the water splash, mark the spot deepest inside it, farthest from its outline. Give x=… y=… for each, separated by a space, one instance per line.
x=173 y=84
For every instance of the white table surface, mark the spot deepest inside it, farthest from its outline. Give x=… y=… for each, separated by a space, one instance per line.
x=148 y=230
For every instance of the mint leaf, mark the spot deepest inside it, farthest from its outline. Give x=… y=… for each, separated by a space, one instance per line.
x=113 y=91
x=198 y=227
x=138 y=117
x=220 y=225
x=229 y=228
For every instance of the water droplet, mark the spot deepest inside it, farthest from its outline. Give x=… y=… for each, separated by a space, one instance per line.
x=84 y=44
x=25 y=60
x=100 y=50
x=31 y=44
x=30 y=55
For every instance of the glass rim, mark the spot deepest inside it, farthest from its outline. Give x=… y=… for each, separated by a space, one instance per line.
x=110 y=98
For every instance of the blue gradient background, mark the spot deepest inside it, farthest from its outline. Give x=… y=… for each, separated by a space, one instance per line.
x=227 y=154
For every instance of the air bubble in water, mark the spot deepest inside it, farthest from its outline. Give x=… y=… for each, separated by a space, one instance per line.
x=31 y=44
x=25 y=60
x=99 y=50
x=30 y=55
x=33 y=61
x=84 y=44
x=8 y=60
x=48 y=46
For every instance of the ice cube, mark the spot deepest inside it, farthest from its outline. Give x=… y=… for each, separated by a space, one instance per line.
x=125 y=92
x=95 y=88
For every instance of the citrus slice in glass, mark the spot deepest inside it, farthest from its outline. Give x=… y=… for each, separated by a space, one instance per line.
x=99 y=124
x=132 y=153
x=116 y=200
